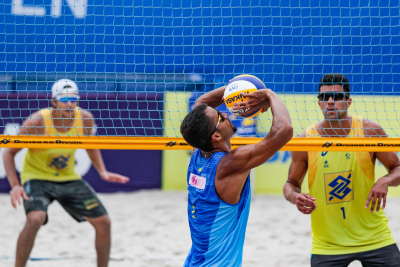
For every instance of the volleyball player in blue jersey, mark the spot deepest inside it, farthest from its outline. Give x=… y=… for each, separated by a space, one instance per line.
x=218 y=177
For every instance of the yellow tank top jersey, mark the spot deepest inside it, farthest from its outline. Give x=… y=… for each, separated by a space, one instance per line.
x=57 y=165
x=340 y=182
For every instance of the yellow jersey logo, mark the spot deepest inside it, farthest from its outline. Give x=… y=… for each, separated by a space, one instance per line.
x=58 y=162
x=339 y=187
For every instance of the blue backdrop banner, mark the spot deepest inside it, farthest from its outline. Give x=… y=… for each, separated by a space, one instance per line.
x=289 y=45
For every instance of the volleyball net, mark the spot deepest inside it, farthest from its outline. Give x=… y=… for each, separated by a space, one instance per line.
x=140 y=65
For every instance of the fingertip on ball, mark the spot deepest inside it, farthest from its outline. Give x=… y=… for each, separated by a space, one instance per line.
x=238 y=89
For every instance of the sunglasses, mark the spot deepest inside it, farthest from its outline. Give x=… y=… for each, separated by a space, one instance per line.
x=336 y=96
x=66 y=99
x=221 y=119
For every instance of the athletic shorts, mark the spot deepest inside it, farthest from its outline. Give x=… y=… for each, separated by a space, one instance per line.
x=76 y=197
x=382 y=257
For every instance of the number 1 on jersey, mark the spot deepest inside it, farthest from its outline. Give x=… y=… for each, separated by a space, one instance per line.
x=344 y=214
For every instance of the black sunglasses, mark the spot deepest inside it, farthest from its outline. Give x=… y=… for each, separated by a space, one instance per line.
x=336 y=96
x=216 y=126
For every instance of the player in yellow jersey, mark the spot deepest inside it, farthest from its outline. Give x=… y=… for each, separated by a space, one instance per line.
x=345 y=202
x=48 y=174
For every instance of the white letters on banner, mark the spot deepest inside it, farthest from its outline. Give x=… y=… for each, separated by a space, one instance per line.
x=78 y=8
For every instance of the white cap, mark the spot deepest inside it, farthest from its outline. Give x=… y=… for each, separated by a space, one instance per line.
x=64 y=87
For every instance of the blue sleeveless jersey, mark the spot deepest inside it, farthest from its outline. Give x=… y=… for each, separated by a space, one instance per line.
x=217 y=228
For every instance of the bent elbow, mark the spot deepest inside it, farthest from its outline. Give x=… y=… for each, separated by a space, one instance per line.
x=288 y=131
x=285 y=133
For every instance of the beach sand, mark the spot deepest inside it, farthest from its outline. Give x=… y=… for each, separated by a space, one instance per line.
x=150 y=229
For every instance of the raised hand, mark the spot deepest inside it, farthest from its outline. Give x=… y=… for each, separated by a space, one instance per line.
x=256 y=100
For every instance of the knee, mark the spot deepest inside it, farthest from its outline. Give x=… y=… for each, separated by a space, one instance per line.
x=35 y=219
x=103 y=223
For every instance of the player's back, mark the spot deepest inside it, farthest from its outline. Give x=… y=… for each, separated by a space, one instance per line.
x=217 y=228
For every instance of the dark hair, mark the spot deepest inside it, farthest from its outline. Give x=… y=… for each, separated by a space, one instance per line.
x=197 y=127
x=335 y=78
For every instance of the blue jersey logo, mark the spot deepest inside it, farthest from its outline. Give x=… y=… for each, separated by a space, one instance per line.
x=59 y=162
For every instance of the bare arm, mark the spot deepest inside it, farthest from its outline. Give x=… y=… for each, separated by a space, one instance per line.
x=32 y=126
x=388 y=159
x=95 y=154
x=213 y=98
x=378 y=193
x=17 y=190
x=9 y=165
x=235 y=167
x=297 y=171
x=247 y=157
x=392 y=165
x=305 y=203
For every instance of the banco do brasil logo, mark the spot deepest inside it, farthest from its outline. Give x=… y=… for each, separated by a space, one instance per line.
x=327 y=144
x=170 y=143
x=58 y=162
x=5 y=141
x=339 y=187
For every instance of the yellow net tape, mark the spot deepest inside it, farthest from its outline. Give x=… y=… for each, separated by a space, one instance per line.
x=168 y=143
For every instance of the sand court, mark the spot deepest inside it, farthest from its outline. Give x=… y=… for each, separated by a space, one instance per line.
x=150 y=229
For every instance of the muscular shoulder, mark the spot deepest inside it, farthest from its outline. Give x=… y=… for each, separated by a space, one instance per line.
x=302 y=135
x=88 y=121
x=86 y=114
x=88 y=118
x=233 y=161
x=33 y=124
x=35 y=119
x=373 y=129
